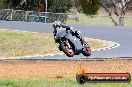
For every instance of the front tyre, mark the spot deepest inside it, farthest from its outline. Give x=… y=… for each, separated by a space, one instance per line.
x=86 y=51
x=67 y=49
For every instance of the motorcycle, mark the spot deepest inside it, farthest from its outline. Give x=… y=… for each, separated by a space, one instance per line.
x=70 y=44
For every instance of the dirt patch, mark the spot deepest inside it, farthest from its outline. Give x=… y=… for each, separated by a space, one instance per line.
x=11 y=69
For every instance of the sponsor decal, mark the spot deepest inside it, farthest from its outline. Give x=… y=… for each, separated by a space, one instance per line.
x=108 y=77
x=83 y=77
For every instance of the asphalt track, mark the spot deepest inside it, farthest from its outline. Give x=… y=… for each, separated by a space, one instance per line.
x=121 y=35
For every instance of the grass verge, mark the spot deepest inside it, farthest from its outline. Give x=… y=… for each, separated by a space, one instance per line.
x=58 y=73
x=56 y=83
x=14 y=43
x=95 y=20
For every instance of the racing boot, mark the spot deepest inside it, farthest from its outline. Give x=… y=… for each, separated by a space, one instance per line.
x=83 y=42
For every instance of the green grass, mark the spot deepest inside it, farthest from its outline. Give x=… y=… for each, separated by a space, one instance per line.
x=128 y=21
x=56 y=83
x=83 y=19
x=95 y=44
x=14 y=43
x=19 y=43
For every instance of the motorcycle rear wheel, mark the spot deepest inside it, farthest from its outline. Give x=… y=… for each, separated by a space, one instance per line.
x=66 y=49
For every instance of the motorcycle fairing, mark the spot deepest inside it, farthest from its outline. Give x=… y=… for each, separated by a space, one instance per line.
x=61 y=32
x=76 y=41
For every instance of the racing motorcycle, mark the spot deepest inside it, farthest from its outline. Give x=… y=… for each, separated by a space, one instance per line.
x=70 y=44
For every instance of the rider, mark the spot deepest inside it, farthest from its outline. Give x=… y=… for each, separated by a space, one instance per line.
x=57 y=24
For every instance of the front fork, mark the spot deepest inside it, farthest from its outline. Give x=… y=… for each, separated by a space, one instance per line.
x=63 y=40
x=66 y=41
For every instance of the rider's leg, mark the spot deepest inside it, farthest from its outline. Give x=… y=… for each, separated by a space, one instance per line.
x=82 y=41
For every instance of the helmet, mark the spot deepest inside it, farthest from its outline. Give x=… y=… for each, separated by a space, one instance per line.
x=57 y=24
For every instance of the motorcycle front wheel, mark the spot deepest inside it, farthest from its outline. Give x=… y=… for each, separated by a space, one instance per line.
x=67 y=49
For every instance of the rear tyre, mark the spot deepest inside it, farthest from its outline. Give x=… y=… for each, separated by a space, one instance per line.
x=60 y=48
x=67 y=49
